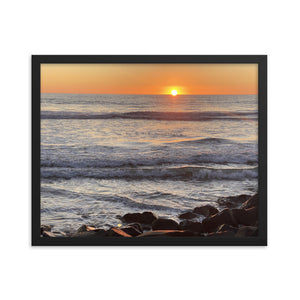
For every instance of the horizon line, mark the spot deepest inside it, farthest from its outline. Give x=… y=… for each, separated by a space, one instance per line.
x=163 y=94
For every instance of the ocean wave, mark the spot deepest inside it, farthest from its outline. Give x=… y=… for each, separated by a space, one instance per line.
x=206 y=141
x=175 y=173
x=153 y=115
x=249 y=158
x=97 y=198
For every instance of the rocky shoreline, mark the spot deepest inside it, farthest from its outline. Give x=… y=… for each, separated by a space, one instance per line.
x=237 y=218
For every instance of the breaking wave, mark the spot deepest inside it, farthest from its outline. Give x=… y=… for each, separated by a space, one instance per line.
x=153 y=115
x=170 y=173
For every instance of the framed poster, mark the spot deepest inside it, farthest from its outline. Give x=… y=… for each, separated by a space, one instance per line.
x=149 y=150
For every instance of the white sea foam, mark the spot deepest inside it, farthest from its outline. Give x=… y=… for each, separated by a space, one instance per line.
x=175 y=173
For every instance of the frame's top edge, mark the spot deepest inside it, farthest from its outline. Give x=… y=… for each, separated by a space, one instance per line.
x=148 y=58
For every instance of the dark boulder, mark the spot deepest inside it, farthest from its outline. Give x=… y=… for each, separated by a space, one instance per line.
x=247 y=231
x=59 y=234
x=245 y=216
x=233 y=201
x=132 y=217
x=187 y=215
x=116 y=232
x=226 y=227
x=165 y=224
x=232 y=217
x=206 y=210
x=91 y=233
x=192 y=226
x=48 y=234
x=45 y=228
x=146 y=227
x=131 y=230
x=221 y=234
x=137 y=226
x=211 y=224
x=85 y=231
x=146 y=217
x=251 y=202
x=85 y=228
x=167 y=233
x=98 y=232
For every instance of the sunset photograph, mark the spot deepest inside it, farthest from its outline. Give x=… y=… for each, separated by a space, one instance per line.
x=149 y=150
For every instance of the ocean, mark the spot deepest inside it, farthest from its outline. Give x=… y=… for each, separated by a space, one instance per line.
x=106 y=155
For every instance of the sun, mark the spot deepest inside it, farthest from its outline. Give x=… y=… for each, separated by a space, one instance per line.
x=174 y=92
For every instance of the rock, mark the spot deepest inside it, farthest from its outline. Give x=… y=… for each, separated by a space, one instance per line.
x=97 y=232
x=211 y=224
x=225 y=227
x=120 y=217
x=131 y=230
x=132 y=217
x=48 y=234
x=117 y=232
x=247 y=231
x=146 y=217
x=59 y=234
x=165 y=224
x=45 y=228
x=85 y=228
x=206 y=210
x=187 y=215
x=245 y=216
x=85 y=231
x=167 y=233
x=232 y=217
x=221 y=234
x=251 y=202
x=146 y=227
x=233 y=201
x=192 y=226
x=137 y=226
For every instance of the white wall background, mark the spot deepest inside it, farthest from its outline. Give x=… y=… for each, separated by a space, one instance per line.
x=150 y=27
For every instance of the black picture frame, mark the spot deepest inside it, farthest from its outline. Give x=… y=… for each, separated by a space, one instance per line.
x=260 y=240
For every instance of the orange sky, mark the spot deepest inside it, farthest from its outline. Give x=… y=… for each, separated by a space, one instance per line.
x=149 y=78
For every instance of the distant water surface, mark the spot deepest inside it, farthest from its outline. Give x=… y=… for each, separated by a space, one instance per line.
x=106 y=155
